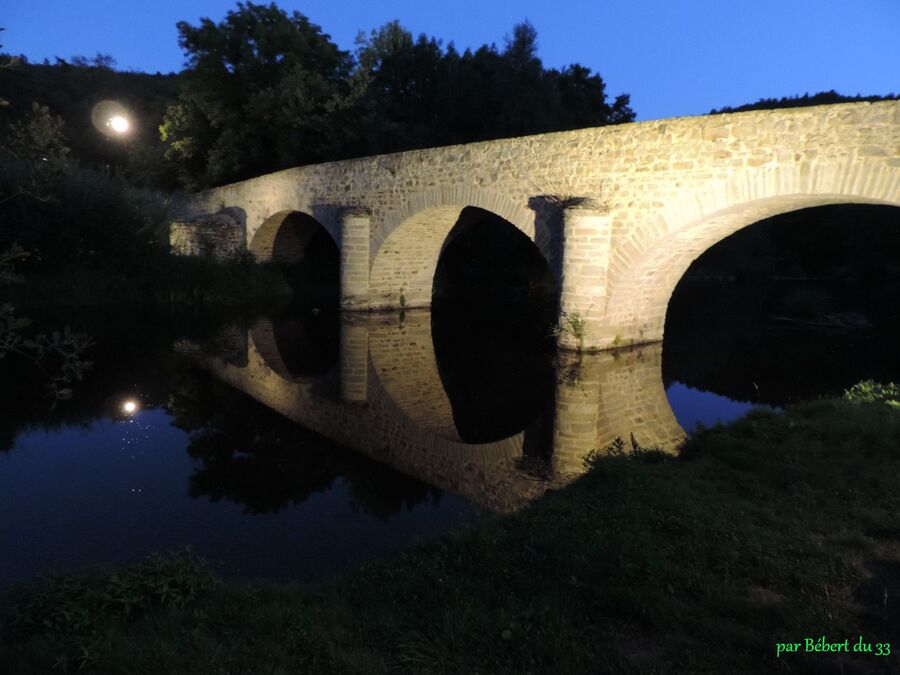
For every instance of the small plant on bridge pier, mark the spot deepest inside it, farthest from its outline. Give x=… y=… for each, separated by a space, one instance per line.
x=571 y=323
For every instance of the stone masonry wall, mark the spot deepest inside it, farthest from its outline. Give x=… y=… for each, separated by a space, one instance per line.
x=220 y=240
x=668 y=189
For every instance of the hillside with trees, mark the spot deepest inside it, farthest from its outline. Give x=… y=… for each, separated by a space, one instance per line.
x=264 y=89
x=69 y=89
x=822 y=98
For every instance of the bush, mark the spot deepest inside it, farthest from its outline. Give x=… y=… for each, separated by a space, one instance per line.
x=95 y=218
x=869 y=391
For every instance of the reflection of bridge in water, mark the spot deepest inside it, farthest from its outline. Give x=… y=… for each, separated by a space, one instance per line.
x=385 y=399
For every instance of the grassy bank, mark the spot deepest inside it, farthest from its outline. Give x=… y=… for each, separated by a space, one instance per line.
x=769 y=530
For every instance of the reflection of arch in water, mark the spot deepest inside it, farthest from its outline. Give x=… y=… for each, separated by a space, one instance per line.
x=405 y=387
x=298 y=347
x=405 y=373
x=380 y=429
x=402 y=358
x=649 y=265
x=611 y=395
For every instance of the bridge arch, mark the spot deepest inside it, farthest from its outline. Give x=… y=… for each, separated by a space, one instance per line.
x=407 y=246
x=286 y=236
x=643 y=282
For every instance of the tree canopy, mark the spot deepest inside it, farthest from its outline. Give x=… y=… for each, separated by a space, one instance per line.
x=414 y=93
x=70 y=88
x=256 y=95
x=822 y=98
x=265 y=90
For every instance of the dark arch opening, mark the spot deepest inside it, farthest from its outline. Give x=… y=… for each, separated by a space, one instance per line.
x=493 y=309
x=298 y=344
x=801 y=305
x=310 y=259
x=307 y=342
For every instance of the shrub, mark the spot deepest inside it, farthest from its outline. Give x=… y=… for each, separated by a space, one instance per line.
x=869 y=391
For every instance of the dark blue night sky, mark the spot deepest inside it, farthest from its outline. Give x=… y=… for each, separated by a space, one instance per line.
x=674 y=58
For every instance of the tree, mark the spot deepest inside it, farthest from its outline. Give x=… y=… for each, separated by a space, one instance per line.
x=104 y=61
x=257 y=95
x=71 y=90
x=822 y=98
x=33 y=152
x=395 y=90
x=35 y=157
x=265 y=91
x=413 y=93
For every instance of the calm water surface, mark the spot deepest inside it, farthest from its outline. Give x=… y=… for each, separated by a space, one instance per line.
x=298 y=445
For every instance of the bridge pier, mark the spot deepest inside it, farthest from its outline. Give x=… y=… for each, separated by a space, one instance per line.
x=354 y=359
x=355 y=226
x=583 y=296
x=578 y=401
x=608 y=395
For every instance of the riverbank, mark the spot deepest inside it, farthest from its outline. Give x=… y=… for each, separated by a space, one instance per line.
x=163 y=279
x=772 y=529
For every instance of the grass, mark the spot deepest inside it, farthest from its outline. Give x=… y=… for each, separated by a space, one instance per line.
x=80 y=610
x=771 y=529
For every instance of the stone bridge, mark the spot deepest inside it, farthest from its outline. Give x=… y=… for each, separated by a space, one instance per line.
x=618 y=212
x=384 y=397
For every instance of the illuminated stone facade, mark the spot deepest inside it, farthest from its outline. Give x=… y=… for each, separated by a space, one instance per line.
x=618 y=212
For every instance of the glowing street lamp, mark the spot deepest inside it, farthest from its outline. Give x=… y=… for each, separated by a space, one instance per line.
x=112 y=119
x=130 y=407
x=119 y=124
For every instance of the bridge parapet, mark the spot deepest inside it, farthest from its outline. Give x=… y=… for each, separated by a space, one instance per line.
x=668 y=189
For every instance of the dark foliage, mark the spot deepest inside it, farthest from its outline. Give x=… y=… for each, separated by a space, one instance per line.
x=71 y=89
x=257 y=96
x=248 y=454
x=265 y=90
x=822 y=98
x=414 y=93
